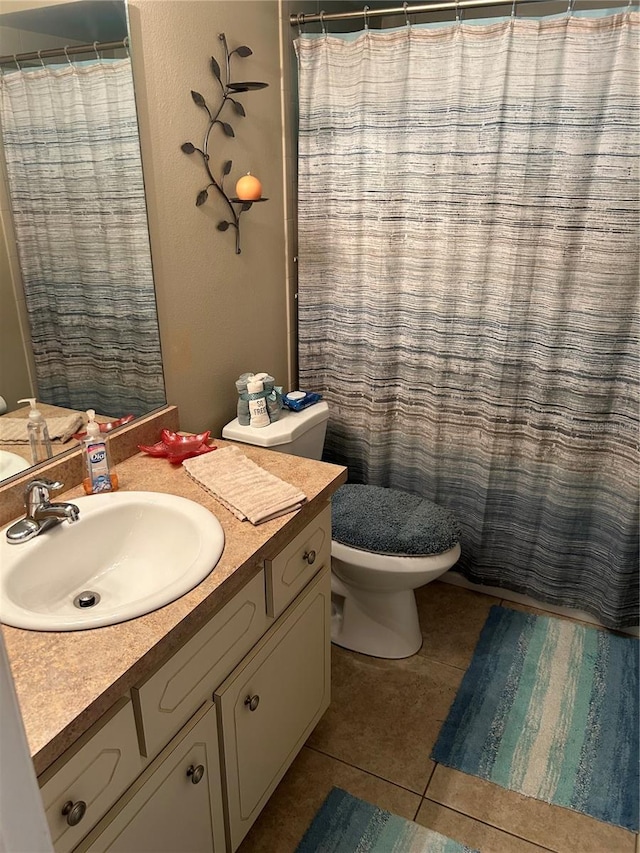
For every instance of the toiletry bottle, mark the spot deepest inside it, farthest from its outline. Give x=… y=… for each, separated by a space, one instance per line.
x=272 y=397
x=257 y=405
x=38 y=433
x=244 y=416
x=100 y=476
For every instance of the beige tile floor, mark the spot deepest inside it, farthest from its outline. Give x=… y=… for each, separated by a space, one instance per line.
x=376 y=737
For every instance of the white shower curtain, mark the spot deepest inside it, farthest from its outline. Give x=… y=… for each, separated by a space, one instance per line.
x=71 y=144
x=468 y=286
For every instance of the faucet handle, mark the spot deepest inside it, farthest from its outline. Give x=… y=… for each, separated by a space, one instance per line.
x=37 y=492
x=44 y=483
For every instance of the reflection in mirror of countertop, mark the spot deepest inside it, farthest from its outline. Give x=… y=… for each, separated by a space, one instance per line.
x=68 y=466
x=22 y=448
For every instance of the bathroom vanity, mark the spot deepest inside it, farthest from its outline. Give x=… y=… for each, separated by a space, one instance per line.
x=171 y=731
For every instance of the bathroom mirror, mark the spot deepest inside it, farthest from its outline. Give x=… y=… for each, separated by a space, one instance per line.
x=30 y=26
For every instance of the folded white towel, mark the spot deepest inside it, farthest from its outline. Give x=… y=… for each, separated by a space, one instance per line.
x=14 y=430
x=244 y=488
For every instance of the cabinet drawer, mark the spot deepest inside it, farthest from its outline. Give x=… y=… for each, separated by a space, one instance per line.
x=95 y=771
x=298 y=562
x=169 y=808
x=288 y=677
x=168 y=698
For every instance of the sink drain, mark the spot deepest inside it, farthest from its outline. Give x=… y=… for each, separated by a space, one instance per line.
x=86 y=599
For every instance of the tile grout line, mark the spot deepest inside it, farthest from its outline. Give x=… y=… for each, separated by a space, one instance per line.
x=367 y=772
x=490 y=825
x=426 y=787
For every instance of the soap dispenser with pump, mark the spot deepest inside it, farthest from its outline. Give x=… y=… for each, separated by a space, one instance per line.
x=38 y=433
x=99 y=474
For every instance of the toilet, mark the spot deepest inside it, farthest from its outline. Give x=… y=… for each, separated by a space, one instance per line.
x=385 y=544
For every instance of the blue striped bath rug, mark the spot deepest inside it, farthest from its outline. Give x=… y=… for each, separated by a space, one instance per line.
x=345 y=824
x=549 y=708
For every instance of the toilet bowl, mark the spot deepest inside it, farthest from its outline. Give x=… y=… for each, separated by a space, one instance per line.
x=385 y=544
x=373 y=602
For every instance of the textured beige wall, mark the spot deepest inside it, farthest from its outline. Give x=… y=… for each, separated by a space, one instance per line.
x=220 y=313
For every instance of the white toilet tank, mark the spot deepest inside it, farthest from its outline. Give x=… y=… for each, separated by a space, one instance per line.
x=297 y=433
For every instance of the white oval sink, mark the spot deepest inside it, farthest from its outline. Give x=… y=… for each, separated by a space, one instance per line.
x=136 y=550
x=11 y=463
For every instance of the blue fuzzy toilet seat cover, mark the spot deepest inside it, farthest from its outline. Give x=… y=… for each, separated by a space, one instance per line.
x=390 y=521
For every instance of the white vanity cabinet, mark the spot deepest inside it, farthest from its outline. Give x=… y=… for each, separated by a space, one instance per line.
x=85 y=782
x=175 y=805
x=199 y=745
x=291 y=569
x=168 y=697
x=270 y=704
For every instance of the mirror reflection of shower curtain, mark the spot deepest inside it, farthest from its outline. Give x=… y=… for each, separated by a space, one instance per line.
x=468 y=286
x=72 y=150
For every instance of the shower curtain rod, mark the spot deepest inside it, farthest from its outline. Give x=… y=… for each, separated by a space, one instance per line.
x=300 y=19
x=64 y=51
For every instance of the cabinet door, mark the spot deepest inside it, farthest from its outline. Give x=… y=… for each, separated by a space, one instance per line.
x=293 y=567
x=168 y=698
x=176 y=804
x=88 y=779
x=272 y=701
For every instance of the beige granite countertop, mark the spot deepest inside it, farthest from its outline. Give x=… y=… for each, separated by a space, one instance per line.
x=65 y=681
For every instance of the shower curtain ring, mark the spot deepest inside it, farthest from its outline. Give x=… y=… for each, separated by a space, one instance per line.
x=125 y=45
x=15 y=59
x=458 y=13
x=513 y=9
x=41 y=60
x=300 y=22
x=95 y=50
x=570 y=7
x=66 y=53
x=405 y=6
x=365 y=13
x=322 y=24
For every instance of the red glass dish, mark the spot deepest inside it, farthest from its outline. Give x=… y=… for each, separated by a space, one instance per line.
x=178 y=459
x=158 y=449
x=107 y=427
x=176 y=448
x=177 y=445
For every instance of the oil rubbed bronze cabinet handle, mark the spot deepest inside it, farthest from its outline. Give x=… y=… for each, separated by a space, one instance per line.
x=252 y=702
x=74 y=812
x=309 y=557
x=195 y=773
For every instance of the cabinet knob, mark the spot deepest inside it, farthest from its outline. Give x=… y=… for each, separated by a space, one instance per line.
x=310 y=557
x=196 y=773
x=74 y=812
x=252 y=702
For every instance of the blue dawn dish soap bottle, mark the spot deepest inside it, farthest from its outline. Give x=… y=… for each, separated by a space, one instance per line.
x=100 y=476
x=38 y=433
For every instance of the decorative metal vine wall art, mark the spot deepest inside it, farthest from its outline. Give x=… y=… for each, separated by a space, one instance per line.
x=237 y=206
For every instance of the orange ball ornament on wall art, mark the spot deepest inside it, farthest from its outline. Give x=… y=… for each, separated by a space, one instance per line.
x=249 y=188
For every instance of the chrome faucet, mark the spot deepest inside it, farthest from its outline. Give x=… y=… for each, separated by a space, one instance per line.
x=41 y=513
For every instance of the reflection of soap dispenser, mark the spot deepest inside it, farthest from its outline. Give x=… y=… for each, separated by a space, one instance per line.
x=38 y=433
x=99 y=474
